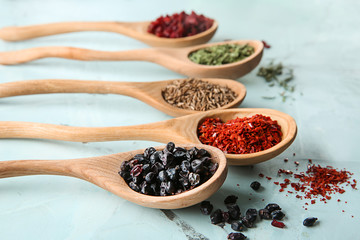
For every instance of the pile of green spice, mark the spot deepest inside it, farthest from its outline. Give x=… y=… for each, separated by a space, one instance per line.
x=196 y=94
x=240 y=135
x=221 y=54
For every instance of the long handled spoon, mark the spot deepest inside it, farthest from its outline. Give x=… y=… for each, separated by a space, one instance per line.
x=148 y=92
x=103 y=172
x=179 y=130
x=175 y=59
x=136 y=30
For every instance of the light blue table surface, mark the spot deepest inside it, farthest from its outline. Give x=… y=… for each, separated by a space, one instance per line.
x=320 y=40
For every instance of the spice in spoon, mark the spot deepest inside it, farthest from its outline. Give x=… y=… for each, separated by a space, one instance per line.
x=198 y=95
x=221 y=54
x=240 y=135
x=180 y=25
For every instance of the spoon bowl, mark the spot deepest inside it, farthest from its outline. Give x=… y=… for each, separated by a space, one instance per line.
x=179 y=130
x=148 y=92
x=136 y=30
x=103 y=172
x=175 y=59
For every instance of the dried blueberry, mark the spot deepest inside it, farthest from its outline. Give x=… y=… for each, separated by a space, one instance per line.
x=231 y=199
x=170 y=187
x=247 y=223
x=234 y=211
x=213 y=167
x=202 y=153
x=157 y=167
x=237 y=226
x=272 y=207
x=308 y=222
x=226 y=217
x=196 y=166
x=134 y=187
x=255 y=185
x=162 y=176
x=236 y=236
x=206 y=207
x=155 y=157
x=194 y=179
x=172 y=174
x=216 y=217
x=251 y=214
x=277 y=214
x=150 y=177
x=125 y=166
x=265 y=214
x=149 y=151
x=167 y=159
x=170 y=147
x=146 y=168
x=185 y=166
x=145 y=188
x=184 y=183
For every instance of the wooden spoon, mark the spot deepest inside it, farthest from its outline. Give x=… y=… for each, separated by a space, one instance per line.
x=148 y=92
x=179 y=130
x=175 y=59
x=136 y=30
x=103 y=172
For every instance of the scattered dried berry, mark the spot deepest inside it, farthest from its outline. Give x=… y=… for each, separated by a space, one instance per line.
x=237 y=226
x=255 y=185
x=234 y=211
x=265 y=214
x=231 y=199
x=277 y=214
x=216 y=217
x=308 y=222
x=272 y=207
x=206 y=207
x=251 y=214
x=236 y=236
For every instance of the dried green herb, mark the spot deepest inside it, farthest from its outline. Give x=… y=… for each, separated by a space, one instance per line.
x=221 y=54
x=274 y=73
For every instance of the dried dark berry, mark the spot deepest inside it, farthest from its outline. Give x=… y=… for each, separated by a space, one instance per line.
x=137 y=179
x=149 y=151
x=170 y=147
x=234 y=211
x=194 y=179
x=277 y=214
x=196 y=165
x=163 y=192
x=125 y=175
x=155 y=157
x=265 y=214
x=277 y=224
x=184 y=174
x=310 y=221
x=157 y=167
x=272 y=207
x=134 y=187
x=213 y=167
x=150 y=177
x=185 y=166
x=251 y=214
x=237 y=226
x=125 y=166
x=226 y=217
x=162 y=176
x=170 y=187
x=216 y=217
x=205 y=160
x=206 y=207
x=255 y=185
x=184 y=183
x=172 y=174
x=247 y=223
x=146 y=168
x=180 y=153
x=145 y=188
x=236 y=236
x=202 y=153
x=136 y=170
x=231 y=199
x=167 y=159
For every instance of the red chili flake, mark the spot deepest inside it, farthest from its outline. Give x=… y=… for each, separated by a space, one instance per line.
x=298 y=196
x=338 y=200
x=352 y=216
x=290 y=192
x=310 y=161
x=345 y=201
x=280 y=171
x=296 y=163
x=262 y=199
x=313 y=201
x=241 y=135
x=281 y=190
x=294 y=154
x=276 y=183
x=277 y=224
x=265 y=44
x=354 y=184
x=261 y=175
x=268 y=178
x=238 y=185
x=306 y=203
x=180 y=25
x=343 y=211
x=286 y=160
x=305 y=208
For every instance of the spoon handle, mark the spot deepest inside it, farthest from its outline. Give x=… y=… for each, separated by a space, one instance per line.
x=41 y=30
x=164 y=131
x=27 y=55
x=30 y=87
x=36 y=167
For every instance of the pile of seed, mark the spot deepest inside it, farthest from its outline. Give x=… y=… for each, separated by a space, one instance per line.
x=196 y=94
x=167 y=172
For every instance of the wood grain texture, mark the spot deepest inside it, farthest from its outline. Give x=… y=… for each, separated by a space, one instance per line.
x=181 y=130
x=103 y=172
x=136 y=30
x=148 y=92
x=175 y=59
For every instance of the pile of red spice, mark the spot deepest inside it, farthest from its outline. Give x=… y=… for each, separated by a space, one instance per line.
x=316 y=183
x=240 y=135
x=180 y=25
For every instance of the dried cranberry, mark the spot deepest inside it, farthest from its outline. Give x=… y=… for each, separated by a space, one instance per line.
x=136 y=170
x=277 y=224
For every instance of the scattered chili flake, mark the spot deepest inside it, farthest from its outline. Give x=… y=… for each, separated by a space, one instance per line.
x=280 y=171
x=265 y=44
x=294 y=154
x=241 y=135
x=305 y=208
x=261 y=175
x=276 y=183
x=290 y=192
x=352 y=216
x=345 y=201
x=306 y=203
x=286 y=159
x=343 y=211
x=268 y=178
x=313 y=201
x=296 y=163
x=310 y=161
x=338 y=200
